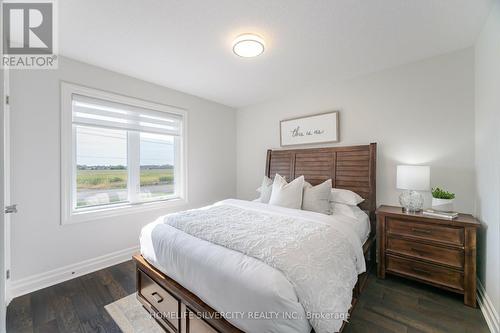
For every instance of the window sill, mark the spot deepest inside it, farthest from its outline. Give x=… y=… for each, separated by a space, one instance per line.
x=88 y=215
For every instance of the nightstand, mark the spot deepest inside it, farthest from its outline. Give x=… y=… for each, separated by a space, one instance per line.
x=435 y=251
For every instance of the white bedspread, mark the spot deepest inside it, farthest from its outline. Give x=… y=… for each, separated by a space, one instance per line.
x=248 y=291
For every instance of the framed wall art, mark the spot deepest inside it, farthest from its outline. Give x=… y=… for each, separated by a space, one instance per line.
x=311 y=129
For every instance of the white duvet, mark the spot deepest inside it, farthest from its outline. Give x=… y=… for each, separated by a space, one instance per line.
x=260 y=287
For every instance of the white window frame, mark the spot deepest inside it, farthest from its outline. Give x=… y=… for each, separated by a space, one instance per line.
x=68 y=159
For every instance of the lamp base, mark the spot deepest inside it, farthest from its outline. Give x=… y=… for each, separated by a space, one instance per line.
x=411 y=201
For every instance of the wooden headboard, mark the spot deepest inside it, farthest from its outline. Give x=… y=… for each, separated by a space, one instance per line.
x=352 y=168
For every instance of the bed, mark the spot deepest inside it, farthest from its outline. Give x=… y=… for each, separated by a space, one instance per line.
x=183 y=277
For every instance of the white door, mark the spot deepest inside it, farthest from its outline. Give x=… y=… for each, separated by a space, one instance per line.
x=2 y=215
x=6 y=210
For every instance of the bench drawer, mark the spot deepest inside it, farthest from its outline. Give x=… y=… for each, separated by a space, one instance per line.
x=166 y=304
x=427 y=231
x=194 y=324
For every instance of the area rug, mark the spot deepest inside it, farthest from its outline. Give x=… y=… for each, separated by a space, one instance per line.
x=131 y=317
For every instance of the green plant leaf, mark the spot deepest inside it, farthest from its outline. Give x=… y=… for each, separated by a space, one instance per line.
x=442 y=194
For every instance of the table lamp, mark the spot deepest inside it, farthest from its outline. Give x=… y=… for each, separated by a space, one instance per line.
x=412 y=178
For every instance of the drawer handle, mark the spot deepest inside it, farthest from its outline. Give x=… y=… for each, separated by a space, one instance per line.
x=421 y=271
x=157 y=297
x=422 y=231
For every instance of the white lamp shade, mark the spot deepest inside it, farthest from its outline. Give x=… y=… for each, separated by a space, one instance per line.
x=413 y=177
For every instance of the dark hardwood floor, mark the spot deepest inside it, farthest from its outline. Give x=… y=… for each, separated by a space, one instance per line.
x=391 y=305
x=400 y=305
x=76 y=305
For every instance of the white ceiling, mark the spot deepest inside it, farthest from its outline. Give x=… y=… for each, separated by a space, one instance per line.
x=186 y=44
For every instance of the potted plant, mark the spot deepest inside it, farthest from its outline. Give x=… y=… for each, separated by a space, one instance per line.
x=442 y=200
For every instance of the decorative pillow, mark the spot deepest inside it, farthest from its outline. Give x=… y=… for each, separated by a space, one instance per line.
x=345 y=197
x=317 y=198
x=287 y=194
x=265 y=189
x=344 y=209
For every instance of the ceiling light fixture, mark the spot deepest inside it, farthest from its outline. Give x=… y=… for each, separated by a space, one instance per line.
x=248 y=46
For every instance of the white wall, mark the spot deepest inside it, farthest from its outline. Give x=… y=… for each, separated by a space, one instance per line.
x=39 y=242
x=421 y=113
x=487 y=124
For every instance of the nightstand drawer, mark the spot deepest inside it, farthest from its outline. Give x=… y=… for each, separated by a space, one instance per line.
x=426 y=272
x=440 y=255
x=427 y=231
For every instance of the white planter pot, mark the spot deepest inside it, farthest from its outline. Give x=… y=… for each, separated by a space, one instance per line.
x=445 y=205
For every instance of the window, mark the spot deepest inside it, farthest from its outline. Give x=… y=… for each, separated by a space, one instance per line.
x=101 y=166
x=119 y=154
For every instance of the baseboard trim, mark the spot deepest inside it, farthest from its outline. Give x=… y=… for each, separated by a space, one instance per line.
x=487 y=308
x=39 y=281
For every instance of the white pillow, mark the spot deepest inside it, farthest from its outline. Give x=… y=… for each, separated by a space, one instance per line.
x=345 y=197
x=265 y=189
x=348 y=210
x=287 y=194
x=317 y=198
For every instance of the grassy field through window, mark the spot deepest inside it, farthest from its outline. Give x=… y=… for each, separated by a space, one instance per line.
x=102 y=186
x=101 y=179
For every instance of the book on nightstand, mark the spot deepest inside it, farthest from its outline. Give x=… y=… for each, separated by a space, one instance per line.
x=440 y=214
